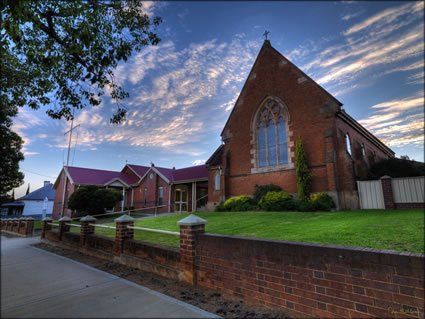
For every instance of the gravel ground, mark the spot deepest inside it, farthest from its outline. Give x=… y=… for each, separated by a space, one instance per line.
x=206 y=299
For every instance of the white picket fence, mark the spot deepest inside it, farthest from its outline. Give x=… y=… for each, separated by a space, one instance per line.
x=405 y=190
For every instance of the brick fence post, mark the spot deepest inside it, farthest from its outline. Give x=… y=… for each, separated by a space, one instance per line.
x=15 y=223
x=29 y=226
x=10 y=224
x=122 y=233
x=86 y=228
x=190 y=228
x=21 y=224
x=387 y=189
x=46 y=226
x=63 y=227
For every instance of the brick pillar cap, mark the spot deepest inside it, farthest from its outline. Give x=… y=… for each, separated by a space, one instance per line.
x=47 y=219
x=22 y=218
x=385 y=177
x=88 y=218
x=192 y=220
x=30 y=218
x=124 y=218
x=65 y=219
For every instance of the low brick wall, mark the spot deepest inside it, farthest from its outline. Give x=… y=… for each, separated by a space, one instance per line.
x=310 y=280
x=302 y=279
x=18 y=226
x=158 y=259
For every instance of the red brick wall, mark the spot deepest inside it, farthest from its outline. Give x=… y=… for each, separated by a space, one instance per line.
x=361 y=165
x=57 y=205
x=310 y=280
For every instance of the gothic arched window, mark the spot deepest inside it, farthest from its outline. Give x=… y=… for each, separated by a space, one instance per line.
x=272 y=143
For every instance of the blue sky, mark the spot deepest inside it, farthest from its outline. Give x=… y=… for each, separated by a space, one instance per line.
x=370 y=55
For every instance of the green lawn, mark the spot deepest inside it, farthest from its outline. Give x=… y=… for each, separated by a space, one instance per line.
x=385 y=229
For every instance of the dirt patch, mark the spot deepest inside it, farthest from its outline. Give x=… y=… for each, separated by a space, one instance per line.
x=206 y=299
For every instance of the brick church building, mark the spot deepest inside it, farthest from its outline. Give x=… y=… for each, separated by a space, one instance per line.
x=278 y=104
x=143 y=187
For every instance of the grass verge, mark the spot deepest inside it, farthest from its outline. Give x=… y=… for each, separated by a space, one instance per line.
x=401 y=230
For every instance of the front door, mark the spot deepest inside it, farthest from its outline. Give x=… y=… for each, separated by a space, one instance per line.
x=180 y=199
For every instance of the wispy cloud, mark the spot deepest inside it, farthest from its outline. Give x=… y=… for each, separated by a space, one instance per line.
x=386 y=17
x=398 y=122
x=178 y=99
x=350 y=16
x=198 y=162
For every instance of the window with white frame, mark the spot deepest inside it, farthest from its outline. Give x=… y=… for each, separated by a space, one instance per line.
x=160 y=195
x=348 y=143
x=217 y=181
x=145 y=196
x=272 y=142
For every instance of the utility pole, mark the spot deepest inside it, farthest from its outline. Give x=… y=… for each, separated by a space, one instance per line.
x=70 y=137
x=65 y=190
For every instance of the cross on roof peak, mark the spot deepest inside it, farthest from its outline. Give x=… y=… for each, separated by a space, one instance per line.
x=266 y=33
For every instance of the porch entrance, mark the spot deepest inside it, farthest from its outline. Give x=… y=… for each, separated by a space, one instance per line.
x=180 y=199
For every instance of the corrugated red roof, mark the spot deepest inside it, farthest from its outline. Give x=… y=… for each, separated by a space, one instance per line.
x=88 y=176
x=91 y=176
x=188 y=173
x=140 y=170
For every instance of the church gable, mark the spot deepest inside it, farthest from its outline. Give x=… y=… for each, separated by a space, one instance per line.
x=274 y=75
x=305 y=108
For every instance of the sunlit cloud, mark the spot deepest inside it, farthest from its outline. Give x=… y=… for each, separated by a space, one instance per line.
x=387 y=16
x=398 y=122
x=198 y=162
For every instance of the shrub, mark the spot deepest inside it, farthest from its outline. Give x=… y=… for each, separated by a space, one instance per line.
x=93 y=200
x=396 y=167
x=305 y=206
x=261 y=190
x=273 y=201
x=322 y=201
x=220 y=207
x=303 y=174
x=237 y=204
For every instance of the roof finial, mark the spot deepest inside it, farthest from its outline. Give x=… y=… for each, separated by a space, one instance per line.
x=266 y=33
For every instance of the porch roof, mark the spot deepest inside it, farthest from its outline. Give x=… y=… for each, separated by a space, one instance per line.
x=88 y=176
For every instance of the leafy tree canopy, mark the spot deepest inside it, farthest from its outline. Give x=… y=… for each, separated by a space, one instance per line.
x=62 y=54
x=396 y=167
x=93 y=200
x=10 y=152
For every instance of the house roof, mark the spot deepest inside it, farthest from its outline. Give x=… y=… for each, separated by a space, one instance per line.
x=190 y=173
x=138 y=169
x=175 y=175
x=41 y=193
x=89 y=176
x=13 y=204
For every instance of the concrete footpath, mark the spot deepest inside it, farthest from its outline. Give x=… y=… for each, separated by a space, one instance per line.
x=37 y=283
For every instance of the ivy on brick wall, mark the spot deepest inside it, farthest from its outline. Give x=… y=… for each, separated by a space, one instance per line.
x=303 y=173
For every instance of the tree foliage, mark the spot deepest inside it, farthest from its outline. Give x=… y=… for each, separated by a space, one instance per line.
x=93 y=200
x=62 y=54
x=303 y=174
x=10 y=152
x=396 y=167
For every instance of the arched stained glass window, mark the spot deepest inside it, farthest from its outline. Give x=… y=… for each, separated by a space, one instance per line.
x=272 y=144
x=262 y=145
x=283 y=144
